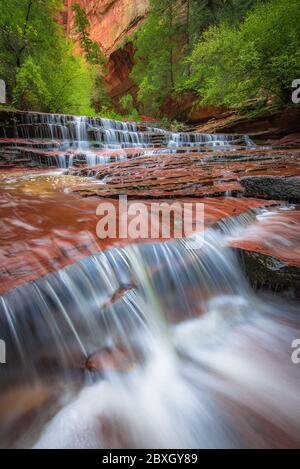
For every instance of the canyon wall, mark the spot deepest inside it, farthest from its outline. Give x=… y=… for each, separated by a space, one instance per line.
x=111 y=23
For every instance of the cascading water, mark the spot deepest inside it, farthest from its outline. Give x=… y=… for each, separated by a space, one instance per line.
x=204 y=361
x=197 y=140
x=149 y=345
x=81 y=132
x=89 y=139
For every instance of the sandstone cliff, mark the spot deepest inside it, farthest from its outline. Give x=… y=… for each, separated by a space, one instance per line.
x=111 y=22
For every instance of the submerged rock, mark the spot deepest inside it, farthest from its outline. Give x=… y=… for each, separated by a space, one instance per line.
x=117 y=358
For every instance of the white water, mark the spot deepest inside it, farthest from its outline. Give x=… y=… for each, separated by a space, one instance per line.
x=198 y=140
x=84 y=137
x=213 y=362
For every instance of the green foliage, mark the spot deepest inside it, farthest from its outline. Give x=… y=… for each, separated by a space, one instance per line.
x=233 y=11
x=172 y=125
x=156 y=66
x=20 y=25
x=167 y=38
x=93 y=56
x=229 y=52
x=92 y=51
x=127 y=104
x=37 y=60
x=109 y=113
x=259 y=58
x=70 y=81
x=31 y=89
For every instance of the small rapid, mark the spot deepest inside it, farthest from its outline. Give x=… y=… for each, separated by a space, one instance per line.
x=187 y=355
x=64 y=141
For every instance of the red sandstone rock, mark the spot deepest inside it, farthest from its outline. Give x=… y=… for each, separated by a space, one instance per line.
x=270 y=250
x=111 y=21
x=183 y=108
x=277 y=235
x=270 y=125
x=44 y=229
x=187 y=174
x=290 y=139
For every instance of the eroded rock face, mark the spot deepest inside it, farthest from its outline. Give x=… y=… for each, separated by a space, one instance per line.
x=119 y=66
x=269 y=126
x=111 y=22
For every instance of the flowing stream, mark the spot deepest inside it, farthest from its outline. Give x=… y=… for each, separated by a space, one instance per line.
x=188 y=355
x=148 y=345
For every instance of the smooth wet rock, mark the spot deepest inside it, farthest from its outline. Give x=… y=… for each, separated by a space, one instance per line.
x=118 y=358
x=268 y=272
x=270 y=250
x=272 y=187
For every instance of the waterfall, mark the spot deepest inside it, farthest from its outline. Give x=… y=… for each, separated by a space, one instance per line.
x=195 y=345
x=81 y=139
x=81 y=132
x=214 y=140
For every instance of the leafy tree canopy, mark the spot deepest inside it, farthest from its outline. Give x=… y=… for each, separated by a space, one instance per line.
x=38 y=62
x=257 y=58
x=226 y=51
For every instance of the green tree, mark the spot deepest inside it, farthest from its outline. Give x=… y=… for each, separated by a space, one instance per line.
x=258 y=58
x=93 y=56
x=20 y=23
x=157 y=65
x=31 y=89
x=127 y=104
x=167 y=38
x=38 y=62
